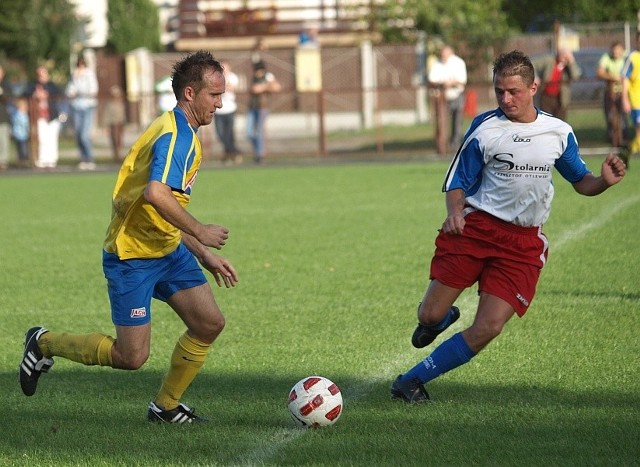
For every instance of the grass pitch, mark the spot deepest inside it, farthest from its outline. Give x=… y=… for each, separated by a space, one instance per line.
x=333 y=261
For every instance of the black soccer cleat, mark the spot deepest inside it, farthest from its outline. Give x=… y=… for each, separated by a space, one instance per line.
x=425 y=335
x=411 y=391
x=33 y=363
x=181 y=414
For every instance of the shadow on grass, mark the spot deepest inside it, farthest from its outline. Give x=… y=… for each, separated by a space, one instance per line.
x=98 y=415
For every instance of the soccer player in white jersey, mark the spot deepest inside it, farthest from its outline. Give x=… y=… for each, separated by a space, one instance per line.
x=498 y=195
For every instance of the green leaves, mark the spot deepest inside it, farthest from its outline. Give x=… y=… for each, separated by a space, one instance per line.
x=38 y=31
x=133 y=25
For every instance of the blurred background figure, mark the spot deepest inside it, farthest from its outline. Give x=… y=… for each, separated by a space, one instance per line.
x=46 y=108
x=263 y=84
x=82 y=90
x=309 y=37
x=224 y=118
x=256 y=52
x=114 y=118
x=631 y=93
x=5 y=123
x=166 y=97
x=20 y=130
x=610 y=71
x=554 y=75
x=448 y=75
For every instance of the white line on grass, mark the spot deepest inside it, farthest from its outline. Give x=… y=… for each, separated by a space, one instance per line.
x=267 y=448
x=594 y=223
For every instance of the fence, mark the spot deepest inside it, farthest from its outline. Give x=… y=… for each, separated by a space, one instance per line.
x=394 y=95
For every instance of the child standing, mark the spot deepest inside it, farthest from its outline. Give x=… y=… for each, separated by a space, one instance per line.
x=20 y=131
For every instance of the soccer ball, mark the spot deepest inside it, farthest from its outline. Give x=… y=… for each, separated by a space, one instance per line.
x=315 y=402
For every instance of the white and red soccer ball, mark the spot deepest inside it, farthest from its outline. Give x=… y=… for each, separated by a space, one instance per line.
x=315 y=402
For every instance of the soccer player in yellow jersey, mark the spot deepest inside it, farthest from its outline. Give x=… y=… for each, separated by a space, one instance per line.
x=152 y=249
x=631 y=93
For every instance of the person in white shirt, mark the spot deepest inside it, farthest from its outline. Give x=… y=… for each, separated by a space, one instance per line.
x=499 y=190
x=226 y=115
x=449 y=75
x=83 y=92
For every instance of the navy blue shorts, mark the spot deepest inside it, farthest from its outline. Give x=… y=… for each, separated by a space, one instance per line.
x=133 y=282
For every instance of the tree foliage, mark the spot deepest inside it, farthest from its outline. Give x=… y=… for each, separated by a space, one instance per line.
x=540 y=15
x=132 y=25
x=469 y=25
x=36 y=32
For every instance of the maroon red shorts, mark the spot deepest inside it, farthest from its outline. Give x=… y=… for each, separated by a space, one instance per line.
x=505 y=259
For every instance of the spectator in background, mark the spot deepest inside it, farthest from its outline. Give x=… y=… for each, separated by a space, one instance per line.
x=449 y=75
x=20 y=129
x=309 y=37
x=114 y=117
x=256 y=52
x=83 y=92
x=554 y=75
x=610 y=71
x=631 y=93
x=166 y=97
x=46 y=110
x=5 y=122
x=226 y=115
x=263 y=84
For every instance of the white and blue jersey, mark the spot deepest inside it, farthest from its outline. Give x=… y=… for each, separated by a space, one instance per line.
x=505 y=167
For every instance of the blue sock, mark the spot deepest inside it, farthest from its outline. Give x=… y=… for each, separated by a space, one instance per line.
x=449 y=355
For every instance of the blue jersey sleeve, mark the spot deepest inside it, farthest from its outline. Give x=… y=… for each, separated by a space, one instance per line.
x=465 y=171
x=570 y=165
x=163 y=162
x=172 y=158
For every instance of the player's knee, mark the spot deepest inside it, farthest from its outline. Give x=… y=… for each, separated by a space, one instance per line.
x=218 y=324
x=211 y=329
x=130 y=361
x=429 y=315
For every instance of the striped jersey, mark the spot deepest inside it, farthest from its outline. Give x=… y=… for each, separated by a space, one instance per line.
x=505 y=167
x=169 y=152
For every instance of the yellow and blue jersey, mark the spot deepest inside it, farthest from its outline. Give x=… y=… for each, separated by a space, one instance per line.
x=631 y=71
x=168 y=152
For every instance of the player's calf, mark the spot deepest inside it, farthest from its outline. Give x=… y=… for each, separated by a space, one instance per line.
x=425 y=335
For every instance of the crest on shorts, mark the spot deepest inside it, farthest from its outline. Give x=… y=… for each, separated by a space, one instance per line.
x=138 y=312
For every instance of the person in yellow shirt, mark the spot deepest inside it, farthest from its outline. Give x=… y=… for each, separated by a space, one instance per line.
x=631 y=93
x=609 y=70
x=152 y=249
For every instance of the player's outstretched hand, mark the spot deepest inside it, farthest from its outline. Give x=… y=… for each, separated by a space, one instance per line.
x=222 y=270
x=613 y=169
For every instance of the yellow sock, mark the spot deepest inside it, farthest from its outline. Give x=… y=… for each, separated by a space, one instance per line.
x=188 y=356
x=89 y=349
x=634 y=147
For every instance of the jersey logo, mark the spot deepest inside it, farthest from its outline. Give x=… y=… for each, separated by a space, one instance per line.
x=138 y=312
x=190 y=183
x=504 y=162
x=518 y=139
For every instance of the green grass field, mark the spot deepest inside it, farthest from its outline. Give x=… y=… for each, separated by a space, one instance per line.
x=333 y=260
